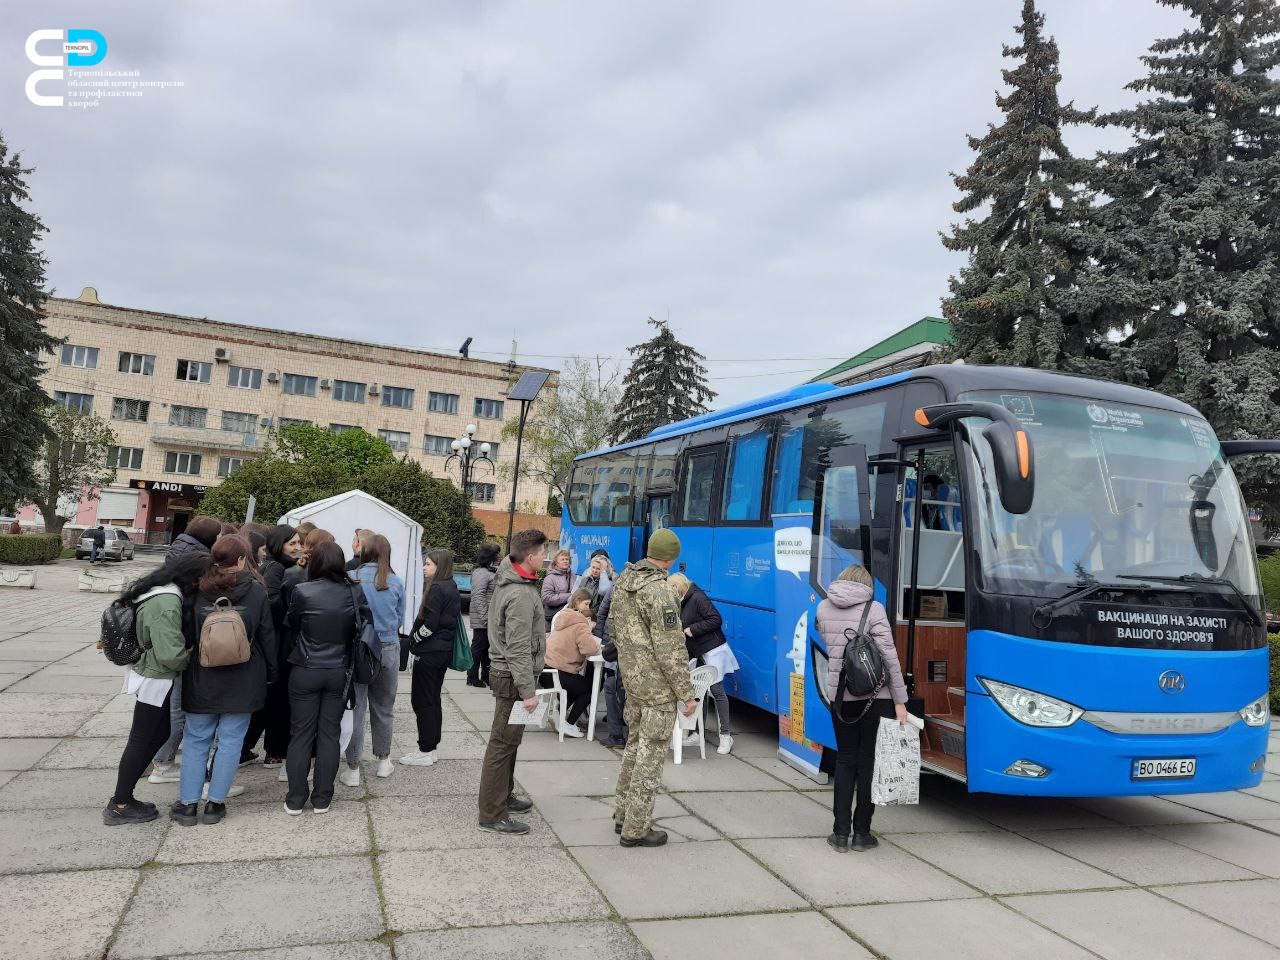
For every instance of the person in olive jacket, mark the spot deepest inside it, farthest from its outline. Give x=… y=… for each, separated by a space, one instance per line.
x=433 y=633
x=322 y=617
x=160 y=601
x=220 y=700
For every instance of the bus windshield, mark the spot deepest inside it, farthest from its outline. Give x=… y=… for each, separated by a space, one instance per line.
x=1122 y=494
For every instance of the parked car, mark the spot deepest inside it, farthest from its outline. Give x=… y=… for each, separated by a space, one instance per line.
x=463 y=579
x=117 y=547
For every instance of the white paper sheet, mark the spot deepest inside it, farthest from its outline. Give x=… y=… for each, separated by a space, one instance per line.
x=522 y=717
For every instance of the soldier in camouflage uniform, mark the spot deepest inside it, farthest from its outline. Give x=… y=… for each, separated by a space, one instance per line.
x=645 y=622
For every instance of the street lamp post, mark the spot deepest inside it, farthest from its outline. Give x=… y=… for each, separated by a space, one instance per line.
x=464 y=452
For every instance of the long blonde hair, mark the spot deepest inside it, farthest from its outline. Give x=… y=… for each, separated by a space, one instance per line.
x=680 y=584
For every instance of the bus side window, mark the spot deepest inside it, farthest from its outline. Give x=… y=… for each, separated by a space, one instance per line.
x=698 y=485
x=580 y=491
x=808 y=435
x=744 y=474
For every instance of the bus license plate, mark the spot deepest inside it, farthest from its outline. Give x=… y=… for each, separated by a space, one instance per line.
x=1165 y=768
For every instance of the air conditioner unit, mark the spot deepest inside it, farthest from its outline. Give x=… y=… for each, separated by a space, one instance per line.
x=326 y=384
x=221 y=354
x=373 y=389
x=273 y=377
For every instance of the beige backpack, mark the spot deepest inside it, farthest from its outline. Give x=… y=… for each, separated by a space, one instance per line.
x=224 y=641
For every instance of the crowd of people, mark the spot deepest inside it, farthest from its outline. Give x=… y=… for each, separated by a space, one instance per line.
x=253 y=633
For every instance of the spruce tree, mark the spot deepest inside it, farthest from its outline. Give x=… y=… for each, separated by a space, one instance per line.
x=667 y=382
x=23 y=341
x=1187 y=277
x=1010 y=303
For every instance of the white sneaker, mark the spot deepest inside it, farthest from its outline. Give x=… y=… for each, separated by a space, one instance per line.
x=290 y=811
x=691 y=740
x=726 y=744
x=385 y=767
x=419 y=759
x=235 y=791
x=571 y=730
x=165 y=773
x=350 y=777
x=283 y=775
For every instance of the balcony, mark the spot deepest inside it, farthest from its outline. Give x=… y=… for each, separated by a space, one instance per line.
x=202 y=438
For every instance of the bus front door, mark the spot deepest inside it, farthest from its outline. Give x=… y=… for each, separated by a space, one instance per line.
x=938 y=665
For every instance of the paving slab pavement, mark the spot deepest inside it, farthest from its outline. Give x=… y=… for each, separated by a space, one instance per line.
x=398 y=868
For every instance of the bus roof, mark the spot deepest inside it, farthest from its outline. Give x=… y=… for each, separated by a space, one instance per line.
x=955 y=379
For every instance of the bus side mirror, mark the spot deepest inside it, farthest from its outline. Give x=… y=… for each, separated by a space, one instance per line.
x=1011 y=450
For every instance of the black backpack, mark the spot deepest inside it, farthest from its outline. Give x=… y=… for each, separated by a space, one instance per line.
x=119 y=637
x=863 y=672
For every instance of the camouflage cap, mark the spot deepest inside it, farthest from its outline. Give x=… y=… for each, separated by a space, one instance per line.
x=663 y=545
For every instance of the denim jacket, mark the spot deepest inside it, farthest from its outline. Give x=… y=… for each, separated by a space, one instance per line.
x=387 y=605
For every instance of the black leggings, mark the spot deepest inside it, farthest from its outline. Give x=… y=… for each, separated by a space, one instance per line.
x=428 y=681
x=479 y=655
x=855 y=763
x=148 y=734
x=577 y=688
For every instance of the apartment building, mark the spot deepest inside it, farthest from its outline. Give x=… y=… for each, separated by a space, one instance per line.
x=190 y=399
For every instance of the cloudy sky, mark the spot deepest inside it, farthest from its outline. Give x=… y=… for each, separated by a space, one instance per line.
x=771 y=176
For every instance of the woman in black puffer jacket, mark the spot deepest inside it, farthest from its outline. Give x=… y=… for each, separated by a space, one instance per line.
x=706 y=643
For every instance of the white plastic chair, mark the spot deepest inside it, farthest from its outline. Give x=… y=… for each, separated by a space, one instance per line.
x=702 y=678
x=556 y=697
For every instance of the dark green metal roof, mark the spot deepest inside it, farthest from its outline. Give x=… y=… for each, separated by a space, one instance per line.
x=926 y=330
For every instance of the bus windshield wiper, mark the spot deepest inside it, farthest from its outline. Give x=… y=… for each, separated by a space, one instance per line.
x=1192 y=578
x=1087 y=587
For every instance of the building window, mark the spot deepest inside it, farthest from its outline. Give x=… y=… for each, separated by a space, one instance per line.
x=140 y=363
x=342 y=427
x=188 y=463
x=72 y=451
x=125 y=458
x=298 y=385
x=483 y=492
x=73 y=356
x=287 y=422
x=397 y=397
x=244 y=378
x=437 y=445
x=493 y=450
x=240 y=422
x=442 y=402
x=348 y=391
x=488 y=409
x=122 y=408
x=194 y=370
x=75 y=402
x=187 y=416
x=229 y=465
x=399 y=442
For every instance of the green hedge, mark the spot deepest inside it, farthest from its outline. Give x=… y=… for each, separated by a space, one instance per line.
x=28 y=548
x=1274 y=642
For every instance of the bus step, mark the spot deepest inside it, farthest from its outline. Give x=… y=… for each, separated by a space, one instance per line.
x=939 y=762
x=946 y=734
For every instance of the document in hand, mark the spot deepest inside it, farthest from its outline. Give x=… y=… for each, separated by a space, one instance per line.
x=523 y=717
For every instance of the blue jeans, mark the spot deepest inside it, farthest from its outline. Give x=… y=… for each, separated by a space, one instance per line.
x=169 y=752
x=201 y=729
x=378 y=700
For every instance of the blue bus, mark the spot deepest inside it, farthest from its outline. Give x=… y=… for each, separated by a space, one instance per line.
x=1067 y=562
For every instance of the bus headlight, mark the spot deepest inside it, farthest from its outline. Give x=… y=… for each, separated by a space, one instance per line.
x=1257 y=713
x=1033 y=709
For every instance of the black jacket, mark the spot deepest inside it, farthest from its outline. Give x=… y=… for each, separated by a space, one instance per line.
x=284 y=639
x=439 y=614
x=241 y=688
x=99 y=537
x=602 y=632
x=322 y=619
x=273 y=572
x=700 y=617
x=182 y=545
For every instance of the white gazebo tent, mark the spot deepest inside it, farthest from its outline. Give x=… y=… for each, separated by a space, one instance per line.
x=348 y=512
